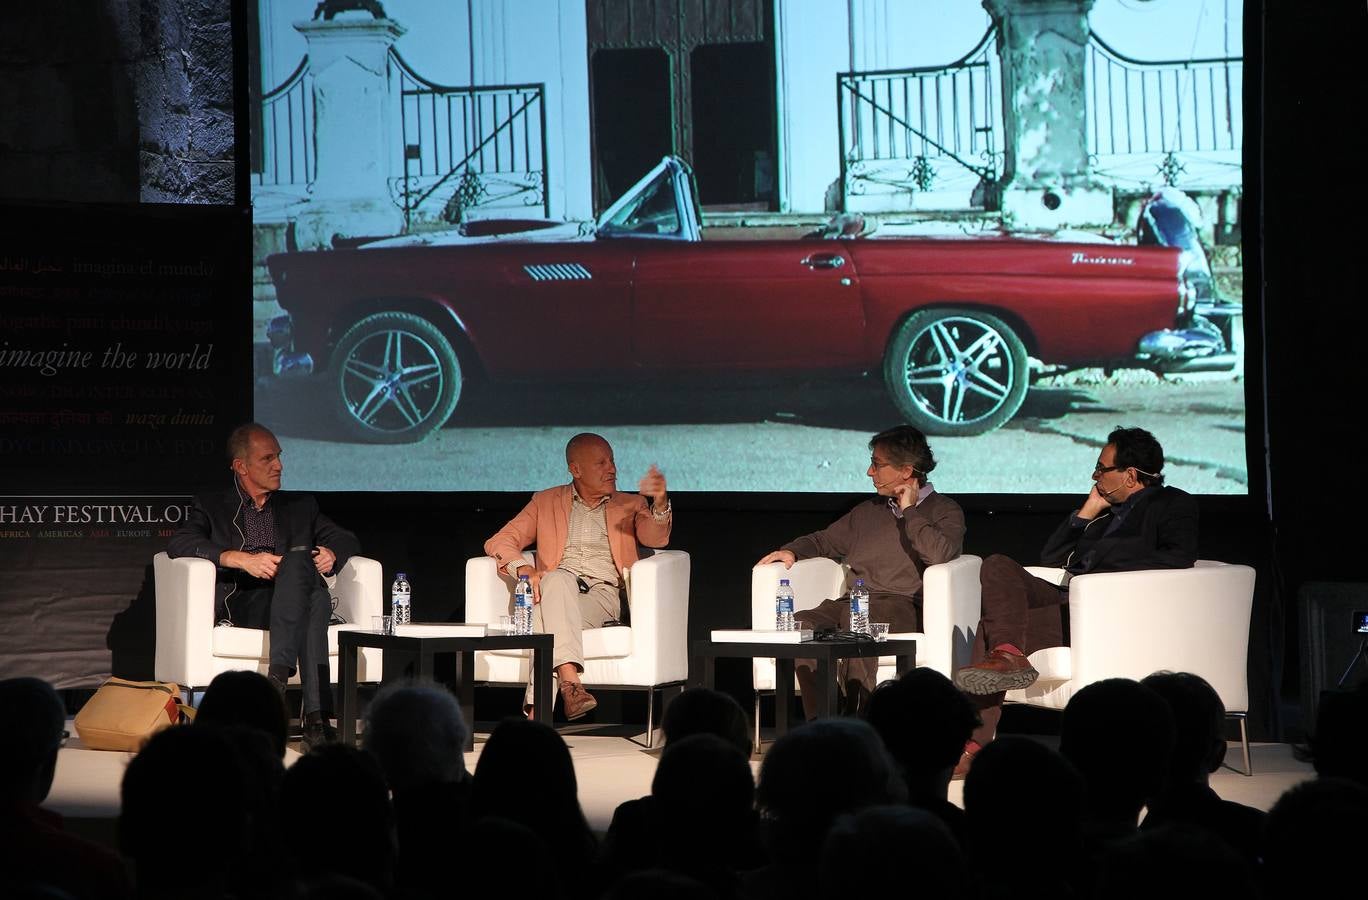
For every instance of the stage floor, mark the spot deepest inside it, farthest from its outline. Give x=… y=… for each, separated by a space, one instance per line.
x=609 y=765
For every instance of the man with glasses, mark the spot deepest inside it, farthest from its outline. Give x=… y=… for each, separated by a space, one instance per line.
x=1129 y=520
x=888 y=541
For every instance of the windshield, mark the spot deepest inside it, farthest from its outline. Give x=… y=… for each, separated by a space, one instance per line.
x=652 y=211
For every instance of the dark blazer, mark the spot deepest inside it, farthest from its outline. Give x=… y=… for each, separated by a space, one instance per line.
x=214 y=524
x=1160 y=532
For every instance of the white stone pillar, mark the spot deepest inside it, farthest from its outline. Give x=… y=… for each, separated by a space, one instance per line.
x=1047 y=181
x=356 y=133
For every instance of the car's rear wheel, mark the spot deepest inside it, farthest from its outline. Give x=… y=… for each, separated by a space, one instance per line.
x=956 y=371
x=396 y=379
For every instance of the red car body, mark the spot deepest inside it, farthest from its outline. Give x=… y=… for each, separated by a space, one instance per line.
x=663 y=301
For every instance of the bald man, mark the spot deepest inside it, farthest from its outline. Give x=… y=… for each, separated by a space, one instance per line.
x=586 y=533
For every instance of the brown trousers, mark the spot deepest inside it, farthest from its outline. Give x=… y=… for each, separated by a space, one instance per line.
x=856 y=677
x=1019 y=609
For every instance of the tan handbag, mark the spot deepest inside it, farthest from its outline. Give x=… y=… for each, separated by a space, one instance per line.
x=124 y=714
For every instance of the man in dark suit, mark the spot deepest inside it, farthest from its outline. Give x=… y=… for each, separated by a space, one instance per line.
x=272 y=549
x=1128 y=521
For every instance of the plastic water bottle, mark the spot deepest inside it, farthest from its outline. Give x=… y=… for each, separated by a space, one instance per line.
x=522 y=606
x=859 y=607
x=783 y=607
x=399 y=599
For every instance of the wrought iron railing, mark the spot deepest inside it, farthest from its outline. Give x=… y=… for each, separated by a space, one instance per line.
x=926 y=116
x=283 y=152
x=1168 y=107
x=469 y=146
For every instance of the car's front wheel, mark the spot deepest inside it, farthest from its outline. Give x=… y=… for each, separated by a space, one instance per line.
x=956 y=371
x=397 y=379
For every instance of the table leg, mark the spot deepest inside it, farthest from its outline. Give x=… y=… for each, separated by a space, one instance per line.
x=541 y=686
x=903 y=662
x=346 y=676
x=424 y=664
x=465 y=693
x=783 y=696
x=825 y=687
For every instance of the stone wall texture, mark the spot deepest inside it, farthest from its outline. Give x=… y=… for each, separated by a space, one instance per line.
x=117 y=101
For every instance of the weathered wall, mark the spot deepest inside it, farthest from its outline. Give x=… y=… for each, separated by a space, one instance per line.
x=134 y=104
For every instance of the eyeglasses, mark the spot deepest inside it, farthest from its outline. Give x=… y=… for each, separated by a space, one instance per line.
x=1100 y=469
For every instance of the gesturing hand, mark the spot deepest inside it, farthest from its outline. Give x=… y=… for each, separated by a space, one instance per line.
x=653 y=485
x=784 y=556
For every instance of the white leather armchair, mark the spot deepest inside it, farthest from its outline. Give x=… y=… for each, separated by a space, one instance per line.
x=191 y=649
x=1132 y=624
x=950 y=611
x=649 y=654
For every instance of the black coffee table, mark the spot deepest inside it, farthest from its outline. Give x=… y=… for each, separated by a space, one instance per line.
x=427 y=646
x=826 y=653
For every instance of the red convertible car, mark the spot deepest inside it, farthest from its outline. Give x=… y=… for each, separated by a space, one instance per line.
x=957 y=326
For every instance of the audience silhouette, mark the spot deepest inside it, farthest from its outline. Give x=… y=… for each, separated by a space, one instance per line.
x=1119 y=736
x=525 y=774
x=218 y=817
x=36 y=855
x=344 y=791
x=867 y=852
x=700 y=820
x=1316 y=835
x=809 y=777
x=1199 y=749
x=1018 y=786
x=633 y=841
x=924 y=721
x=705 y=711
x=418 y=735
x=841 y=806
x=247 y=699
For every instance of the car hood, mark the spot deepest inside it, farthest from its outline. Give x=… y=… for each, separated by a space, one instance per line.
x=489 y=231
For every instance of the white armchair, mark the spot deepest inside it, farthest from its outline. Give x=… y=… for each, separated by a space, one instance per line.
x=1132 y=624
x=649 y=654
x=191 y=649
x=950 y=611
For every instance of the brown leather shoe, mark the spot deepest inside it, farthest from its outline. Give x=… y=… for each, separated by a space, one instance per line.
x=966 y=760
x=575 y=700
x=999 y=671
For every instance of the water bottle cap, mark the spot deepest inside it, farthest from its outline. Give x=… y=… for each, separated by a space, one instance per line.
x=859 y=582
x=522 y=577
x=400 y=575
x=783 y=581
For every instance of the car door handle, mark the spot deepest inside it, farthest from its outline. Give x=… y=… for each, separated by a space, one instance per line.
x=824 y=261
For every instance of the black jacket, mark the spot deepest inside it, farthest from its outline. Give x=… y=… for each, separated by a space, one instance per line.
x=1160 y=532
x=214 y=525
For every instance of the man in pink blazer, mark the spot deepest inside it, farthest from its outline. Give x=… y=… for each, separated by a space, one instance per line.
x=586 y=534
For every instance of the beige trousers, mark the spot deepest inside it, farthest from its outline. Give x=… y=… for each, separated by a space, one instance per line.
x=564 y=613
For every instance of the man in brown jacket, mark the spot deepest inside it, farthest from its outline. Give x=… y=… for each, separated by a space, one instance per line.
x=586 y=533
x=888 y=541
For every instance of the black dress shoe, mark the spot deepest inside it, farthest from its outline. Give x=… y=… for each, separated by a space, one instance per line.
x=318 y=733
